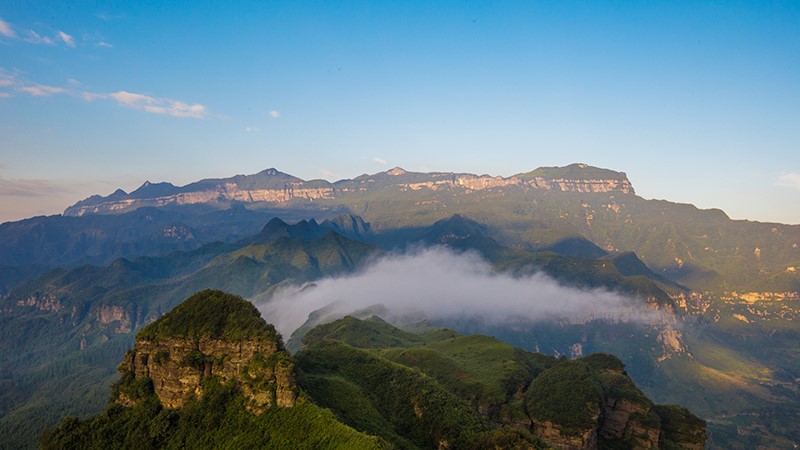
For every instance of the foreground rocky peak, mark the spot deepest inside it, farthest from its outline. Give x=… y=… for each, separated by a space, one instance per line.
x=210 y=334
x=272 y=187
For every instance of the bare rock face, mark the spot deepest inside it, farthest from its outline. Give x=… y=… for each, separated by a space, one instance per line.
x=554 y=435
x=623 y=420
x=177 y=367
x=176 y=353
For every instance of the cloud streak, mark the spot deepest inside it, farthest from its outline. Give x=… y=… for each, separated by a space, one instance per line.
x=790 y=180
x=40 y=90
x=6 y=29
x=67 y=39
x=32 y=37
x=167 y=106
x=11 y=82
x=35 y=38
x=439 y=284
x=28 y=188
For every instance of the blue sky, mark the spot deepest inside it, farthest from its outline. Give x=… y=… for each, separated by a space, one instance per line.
x=698 y=102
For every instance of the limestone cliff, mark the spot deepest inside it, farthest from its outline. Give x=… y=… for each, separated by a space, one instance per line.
x=273 y=187
x=211 y=334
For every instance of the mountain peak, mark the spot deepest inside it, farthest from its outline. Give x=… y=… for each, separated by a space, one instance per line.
x=397 y=171
x=210 y=314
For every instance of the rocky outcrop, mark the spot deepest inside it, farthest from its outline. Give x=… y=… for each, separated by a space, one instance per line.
x=177 y=352
x=108 y=314
x=42 y=302
x=625 y=420
x=592 y=403
x=177 y=367
x=554 y=436
x=274 y=187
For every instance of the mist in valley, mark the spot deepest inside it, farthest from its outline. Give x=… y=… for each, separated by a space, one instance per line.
x=439 y=284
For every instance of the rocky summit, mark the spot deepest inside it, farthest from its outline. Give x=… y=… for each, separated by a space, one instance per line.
x=211 y=334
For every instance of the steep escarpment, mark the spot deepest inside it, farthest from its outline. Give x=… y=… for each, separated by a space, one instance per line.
x=273 y=187
x=211 y=334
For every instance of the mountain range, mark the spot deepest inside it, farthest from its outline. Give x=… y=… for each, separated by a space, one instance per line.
x=77 y=288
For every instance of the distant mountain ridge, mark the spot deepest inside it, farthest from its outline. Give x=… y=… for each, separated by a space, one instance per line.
x=273 y=186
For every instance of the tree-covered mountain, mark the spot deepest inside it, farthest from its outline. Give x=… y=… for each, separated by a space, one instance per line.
x=211 y=374
x=63 y=332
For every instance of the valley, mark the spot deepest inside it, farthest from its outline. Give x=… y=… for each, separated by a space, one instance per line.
x=719 y=297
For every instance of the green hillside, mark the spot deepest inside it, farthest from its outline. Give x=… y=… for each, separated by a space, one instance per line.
x=367 y=384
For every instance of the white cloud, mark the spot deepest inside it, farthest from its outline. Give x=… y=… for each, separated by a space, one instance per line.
x=40 y=90
x=790 y=180
x=104 y=44
x=380 y=161
x=274 y=114
x=328 y=174
x=6 y=29
x=69 y=40
x=251 y=129
x=92 y=96
x=36 y=38
x=154 y=105
x=170 y=107
x=440 y=284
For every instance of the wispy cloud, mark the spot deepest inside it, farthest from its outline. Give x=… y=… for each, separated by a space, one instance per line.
x=328 y=173
x=251 y=129
x=69 y=40
x=6 y=29
x=40 y=90
x=274 y=114
x=154 y=105
x=28 y=188
x=790 y=180
x=380 y=161
x=108 y=17
x=32 y=37
x=35 y=38
x=104 y=44
x=167 y=106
